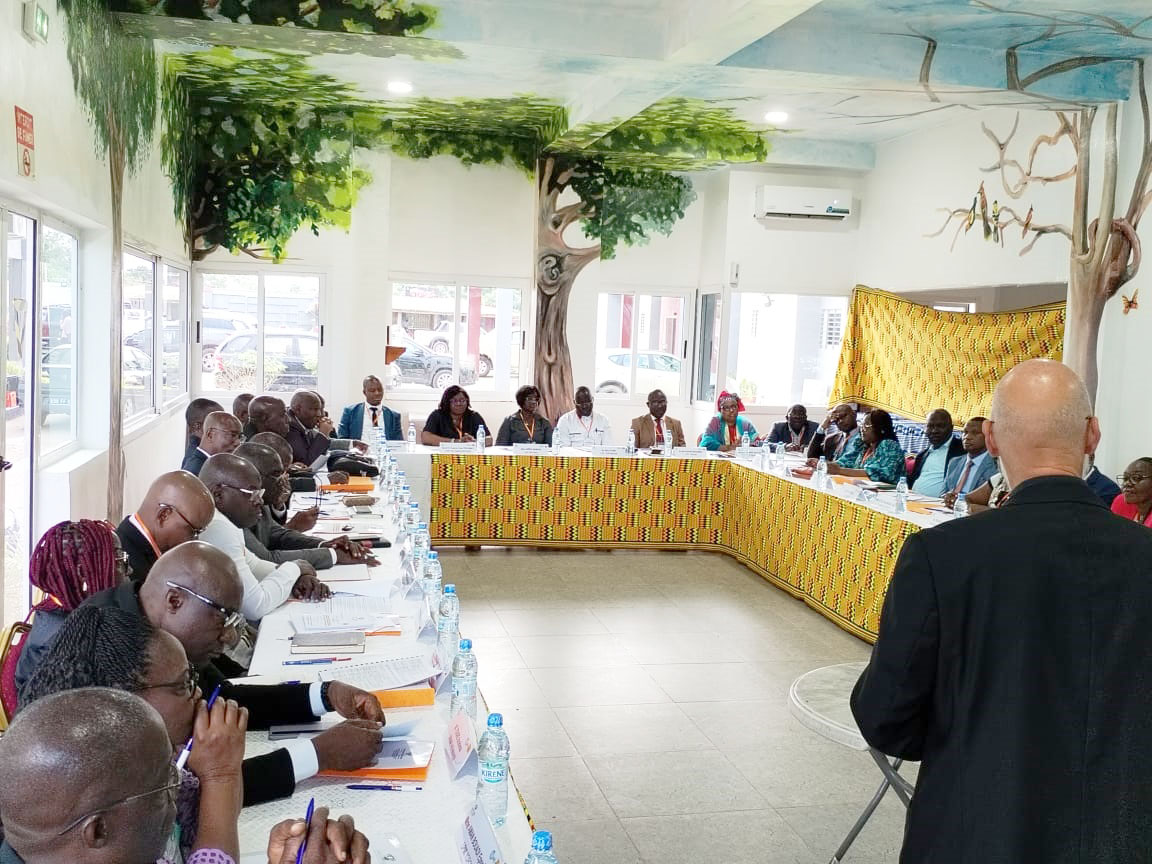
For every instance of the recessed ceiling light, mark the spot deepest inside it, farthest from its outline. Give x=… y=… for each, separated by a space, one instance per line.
x=776 y=117
x=399 y=88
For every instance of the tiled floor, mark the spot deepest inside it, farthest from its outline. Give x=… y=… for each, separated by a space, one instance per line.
x=646 y=697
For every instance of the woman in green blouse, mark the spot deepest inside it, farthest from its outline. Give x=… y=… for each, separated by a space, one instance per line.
x=875 y=453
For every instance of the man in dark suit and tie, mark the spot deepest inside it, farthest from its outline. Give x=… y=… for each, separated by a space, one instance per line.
x=194 y=416
x=797 y=432
x=359 y=421
x=1011 y=655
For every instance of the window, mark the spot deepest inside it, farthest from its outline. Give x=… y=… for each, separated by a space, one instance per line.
x=649 y=328
x=239 y=352
x=174 y=336
x=137 y=395
x=456 y=332
x=57 y=393
x=793 y=357
x=831 y=327
x=954 y=307
x=708 y=348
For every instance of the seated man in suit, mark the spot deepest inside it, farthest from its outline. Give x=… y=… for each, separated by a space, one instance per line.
x=833 y=446
x=309 y=446
x=654 y=429
x=176 y=509
x=269 y=414
x=239 y=496
x=931 y=466
x=195 y=594
x=240 y=407
x=194 y=416
x=1098 y=483
x=222 y=432
x=269 y=540
x=360 y=421
x=975 y=469
x=797 y=432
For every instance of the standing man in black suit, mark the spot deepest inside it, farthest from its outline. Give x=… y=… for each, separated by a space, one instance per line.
x=797 y=432
x=1012 y=653
x=176 y=509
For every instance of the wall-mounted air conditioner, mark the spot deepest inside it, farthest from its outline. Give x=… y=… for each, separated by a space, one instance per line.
x=800 y=202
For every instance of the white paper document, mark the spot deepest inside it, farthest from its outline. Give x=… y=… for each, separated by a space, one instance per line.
x=386 y=674
x=345 y=573
x=343 y=613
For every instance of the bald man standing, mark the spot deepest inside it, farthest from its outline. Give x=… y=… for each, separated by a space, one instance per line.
x=176 y=509
x=1012 y=651
x=222 y=433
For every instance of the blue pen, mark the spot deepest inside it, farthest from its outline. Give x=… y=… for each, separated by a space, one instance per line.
x=307 y=828
x=314 y=662
x=182 y=760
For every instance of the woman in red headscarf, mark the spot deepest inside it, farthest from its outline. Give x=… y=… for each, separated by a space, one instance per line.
x=729 y=426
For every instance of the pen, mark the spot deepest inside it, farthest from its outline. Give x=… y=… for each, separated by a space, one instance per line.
x=314 y=661
x=366 y=787
x=307 y=828
x=182 y=760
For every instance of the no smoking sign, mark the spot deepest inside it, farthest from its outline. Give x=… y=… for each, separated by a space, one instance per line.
x=25 y=144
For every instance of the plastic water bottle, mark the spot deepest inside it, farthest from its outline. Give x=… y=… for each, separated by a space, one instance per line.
x=492 y=754
x=400 y=503
x=902 y=495
x=631 y=446
x=411 y=437
x=421 y=541
x=448 y=623
x=822 y=473
x=481 y=434
x=960 y=508
x=432 y=579
x=464 y=680
x=745 y=441
x=541 y=849
x=778 y=453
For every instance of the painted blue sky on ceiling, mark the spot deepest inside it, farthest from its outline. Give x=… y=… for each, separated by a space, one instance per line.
x=973 y=38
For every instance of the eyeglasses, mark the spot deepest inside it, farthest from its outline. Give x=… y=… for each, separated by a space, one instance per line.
x=254 y=494
x=187 y=683
x=172 y=785
x=196 y=532
x=1130 y=479
x=233 y=618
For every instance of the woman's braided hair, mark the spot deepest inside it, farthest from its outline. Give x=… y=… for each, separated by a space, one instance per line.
x=98 y=646
x=73 y=561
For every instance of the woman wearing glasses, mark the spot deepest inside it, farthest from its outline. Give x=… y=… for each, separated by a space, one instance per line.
x=72 y=561
x=874 y=454
x=1135 y=500
x=104 y=646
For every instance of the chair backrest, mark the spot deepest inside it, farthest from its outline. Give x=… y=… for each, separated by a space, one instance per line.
x=11 y=645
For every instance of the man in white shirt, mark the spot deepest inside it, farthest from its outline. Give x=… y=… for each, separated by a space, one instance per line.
x=239 y=496
x=931 y=465
x=582 y=427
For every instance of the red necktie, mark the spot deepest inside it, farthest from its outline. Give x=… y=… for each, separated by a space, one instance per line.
x=963 y=477
x=659 y=432
x=375 y=411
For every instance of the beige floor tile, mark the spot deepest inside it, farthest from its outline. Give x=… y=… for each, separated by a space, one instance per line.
x=714 y=682
x=560 y=789
x=589 y=686
x=656 y=618
x=795 y=771
x=574 y=621
x=823 y=827
x=740 y=725
x=597 y=841
x=611 y=729
x=542 y=652
x=748 y=837
x=476 y=621
x=537 y=733
x=509 y=688
x=681 y=648
x=498 y=652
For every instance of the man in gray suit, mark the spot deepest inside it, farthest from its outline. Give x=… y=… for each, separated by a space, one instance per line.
x=270 y=540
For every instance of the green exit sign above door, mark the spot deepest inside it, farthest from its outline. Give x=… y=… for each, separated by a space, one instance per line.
x=35 y=21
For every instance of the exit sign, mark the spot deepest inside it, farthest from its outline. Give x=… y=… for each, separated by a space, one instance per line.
x=35 y=21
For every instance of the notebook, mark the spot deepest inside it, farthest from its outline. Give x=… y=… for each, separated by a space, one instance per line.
x=399 y=759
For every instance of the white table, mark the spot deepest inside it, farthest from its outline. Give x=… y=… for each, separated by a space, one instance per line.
x=820 y=701
x=424 y=822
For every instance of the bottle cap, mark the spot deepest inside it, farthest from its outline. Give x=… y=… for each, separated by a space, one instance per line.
x=449 y=589
x=432 y=556
x=465 y=644
x=542 y=841
x=423 y=526
x=495 y=721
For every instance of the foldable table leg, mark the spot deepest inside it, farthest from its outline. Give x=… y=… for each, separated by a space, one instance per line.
x=892 y=779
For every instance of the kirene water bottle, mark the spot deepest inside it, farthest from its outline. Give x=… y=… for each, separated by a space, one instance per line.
x=481 y=434
x=492 y=754
x=745 y=441
x=822 y=473
x=411 y=437
x=431 y=582
x=400 y=502
x=960 y=508
x=541 y=849
x=448 y=624
x=464 y=681
x=421 y=542
x=631 y=447
x=902 y=495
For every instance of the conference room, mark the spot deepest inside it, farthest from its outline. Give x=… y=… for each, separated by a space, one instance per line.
x=671 y=328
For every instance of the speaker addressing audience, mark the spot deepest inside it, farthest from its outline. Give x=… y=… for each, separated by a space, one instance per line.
x=526 y=426
x=177 y=508
x=582 y=427
x=1010 y=651
x=222 y=433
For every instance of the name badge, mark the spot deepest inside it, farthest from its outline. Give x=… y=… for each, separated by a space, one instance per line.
x=457 y=446
x=460 y=744
x=531 y=448
x=691 y=452
x=475 y=840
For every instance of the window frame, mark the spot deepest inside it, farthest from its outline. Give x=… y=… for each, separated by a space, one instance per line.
x=140 y=418
x=684 y=352
x=65 y=448
x=158 y=337
x=260 y=271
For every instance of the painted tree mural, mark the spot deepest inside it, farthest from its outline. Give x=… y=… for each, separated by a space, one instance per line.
x=115 y=77
x=380 y=17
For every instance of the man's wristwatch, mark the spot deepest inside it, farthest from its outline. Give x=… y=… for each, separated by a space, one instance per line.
x=324 y=696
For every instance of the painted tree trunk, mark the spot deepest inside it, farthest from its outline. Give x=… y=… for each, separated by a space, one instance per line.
x=1082 y=325
x=557 y=266
x=115 y=409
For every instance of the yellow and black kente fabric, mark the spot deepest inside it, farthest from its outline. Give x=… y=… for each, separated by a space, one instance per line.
x=911 y=359
x=834 y=554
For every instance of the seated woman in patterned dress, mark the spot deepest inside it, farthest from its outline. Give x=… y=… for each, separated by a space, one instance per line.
x=874 y=454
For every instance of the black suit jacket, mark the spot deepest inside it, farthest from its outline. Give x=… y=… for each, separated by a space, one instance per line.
x=194 y=460
x=955 y=449
x=1012 y=661
x=265 y=777
x=781 y=434
x=141 y=555
x=270 y=540
x=825 y=445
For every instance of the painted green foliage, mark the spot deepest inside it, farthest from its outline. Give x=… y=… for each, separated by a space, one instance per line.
x=380 y=17
x=115 y=78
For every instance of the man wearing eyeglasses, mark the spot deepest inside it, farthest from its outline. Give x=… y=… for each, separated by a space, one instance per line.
x=176 y=509
x=222 y=434
x=194 y=593
x=238 y=493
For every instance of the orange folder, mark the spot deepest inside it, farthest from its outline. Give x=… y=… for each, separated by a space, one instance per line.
x=406 y=697
x=354 y=484
x=408 y=752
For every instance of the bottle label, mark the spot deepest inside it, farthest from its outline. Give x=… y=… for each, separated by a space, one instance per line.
x=493 y=772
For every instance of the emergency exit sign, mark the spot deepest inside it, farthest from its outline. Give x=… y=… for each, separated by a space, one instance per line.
x=35 y=21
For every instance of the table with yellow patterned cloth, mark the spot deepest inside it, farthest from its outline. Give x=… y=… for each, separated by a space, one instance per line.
x=834 y=554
